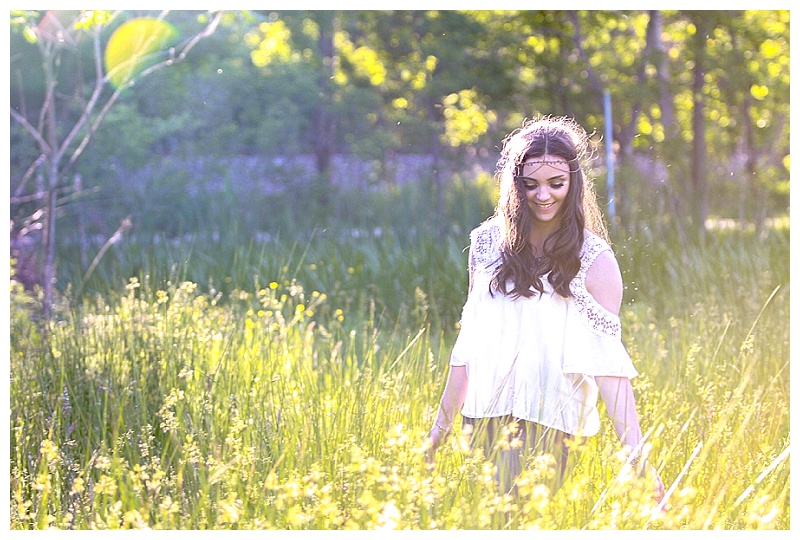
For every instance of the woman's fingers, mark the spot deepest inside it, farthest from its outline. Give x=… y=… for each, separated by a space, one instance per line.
x=660 y=491
x=430 y=455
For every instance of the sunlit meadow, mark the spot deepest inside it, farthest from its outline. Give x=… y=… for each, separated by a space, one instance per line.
x=289 y=385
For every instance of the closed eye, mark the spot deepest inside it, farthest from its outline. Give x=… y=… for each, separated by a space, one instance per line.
x=531 y=183
x=528 y=186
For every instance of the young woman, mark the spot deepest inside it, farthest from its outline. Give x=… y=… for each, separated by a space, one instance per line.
x=540 y=330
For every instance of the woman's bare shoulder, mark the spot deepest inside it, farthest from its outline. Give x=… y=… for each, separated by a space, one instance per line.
x=604 y=281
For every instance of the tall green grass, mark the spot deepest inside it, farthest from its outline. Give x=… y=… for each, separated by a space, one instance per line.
x=238 y=383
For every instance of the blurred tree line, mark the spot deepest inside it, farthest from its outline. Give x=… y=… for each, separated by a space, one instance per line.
x=700 y=99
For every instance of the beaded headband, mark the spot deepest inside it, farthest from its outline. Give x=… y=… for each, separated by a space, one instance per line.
x=543 y=162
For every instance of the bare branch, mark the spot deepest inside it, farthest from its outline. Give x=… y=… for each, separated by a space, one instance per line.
x=69 y=194
x=27 y=176
x=577 y=37
x=207 y=31
x=124 y=227
x=100 y=81
x=53 y=152
x=87 y=110
x=92 y=129
x=27 y=198
x=36 y=134
x=45 y=49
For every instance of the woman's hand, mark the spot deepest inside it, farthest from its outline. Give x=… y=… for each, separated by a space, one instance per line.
x=455 y=392
x=437 y=437
x=646 y=469
x=659 y=491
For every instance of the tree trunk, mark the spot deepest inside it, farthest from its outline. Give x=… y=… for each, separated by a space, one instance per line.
x=53 y=158
x=665 y=98
x=83 y=243
x=595 y=85
x=652 y=45
x=325 y=128
x=699 y=147
x=673 y=192
x=438 y=178
x=49 y=267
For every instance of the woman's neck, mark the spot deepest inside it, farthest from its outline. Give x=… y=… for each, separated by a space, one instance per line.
x=538 y=235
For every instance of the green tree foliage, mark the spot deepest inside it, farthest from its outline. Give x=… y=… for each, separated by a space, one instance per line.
x=449 y=84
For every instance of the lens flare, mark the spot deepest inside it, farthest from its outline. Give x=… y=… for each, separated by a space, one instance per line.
x=133 y=47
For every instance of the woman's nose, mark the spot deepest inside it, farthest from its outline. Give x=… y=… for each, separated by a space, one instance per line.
x=542 y=194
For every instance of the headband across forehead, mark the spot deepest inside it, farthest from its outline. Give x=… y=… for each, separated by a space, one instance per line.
x=542 y=162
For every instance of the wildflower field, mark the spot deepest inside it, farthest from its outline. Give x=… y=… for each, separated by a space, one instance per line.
x=241 y=384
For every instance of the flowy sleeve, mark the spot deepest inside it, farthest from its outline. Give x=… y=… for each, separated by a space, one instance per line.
x=594 y=352
x=461 y=349
x=483 y=262
x=593 y=337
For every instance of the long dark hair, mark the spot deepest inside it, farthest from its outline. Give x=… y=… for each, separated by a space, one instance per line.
x=558 y=137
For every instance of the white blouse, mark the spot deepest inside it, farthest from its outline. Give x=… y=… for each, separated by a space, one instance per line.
x=536 y=358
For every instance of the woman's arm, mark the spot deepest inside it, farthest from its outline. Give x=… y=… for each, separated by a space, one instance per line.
x=604 y=283
x=455 y=392
x=617 y=394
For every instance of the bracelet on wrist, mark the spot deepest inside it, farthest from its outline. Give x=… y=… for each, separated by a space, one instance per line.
x=639 y=463
x=440 y=428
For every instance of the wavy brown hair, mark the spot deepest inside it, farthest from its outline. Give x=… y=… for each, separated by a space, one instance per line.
x=554 y=136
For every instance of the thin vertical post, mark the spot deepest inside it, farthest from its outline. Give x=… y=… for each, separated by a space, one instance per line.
x=609 y=155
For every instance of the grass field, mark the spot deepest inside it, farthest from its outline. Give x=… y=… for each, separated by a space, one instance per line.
x=278 y=384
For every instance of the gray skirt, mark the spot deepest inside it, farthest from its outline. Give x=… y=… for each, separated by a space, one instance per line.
x=536 y=440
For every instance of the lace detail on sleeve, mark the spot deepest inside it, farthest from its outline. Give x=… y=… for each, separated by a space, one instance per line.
x=484 y=252
x=595 y=315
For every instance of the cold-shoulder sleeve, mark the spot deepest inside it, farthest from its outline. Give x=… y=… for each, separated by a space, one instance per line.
x=484 y=250
x=484 y=259
x=593 y=338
